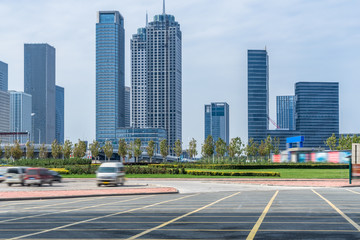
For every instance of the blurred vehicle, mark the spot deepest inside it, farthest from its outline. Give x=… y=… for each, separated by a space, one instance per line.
x=38 y=176
x=2 y=173
x=15 y=175
x=110 y=173
x=56 y=176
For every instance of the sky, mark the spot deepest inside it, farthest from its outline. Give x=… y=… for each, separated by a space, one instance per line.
x=315 y=40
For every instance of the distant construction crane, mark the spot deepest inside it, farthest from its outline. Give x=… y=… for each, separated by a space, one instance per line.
x=273 y=122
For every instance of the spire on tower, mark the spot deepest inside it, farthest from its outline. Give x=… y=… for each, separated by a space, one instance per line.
x=164 y=7
x=147 y=20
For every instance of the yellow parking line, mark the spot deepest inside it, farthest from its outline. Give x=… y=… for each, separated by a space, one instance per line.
x=353 y=191
x=339 y=211
x=180 y=217
x=261 y=218
x=96 y=218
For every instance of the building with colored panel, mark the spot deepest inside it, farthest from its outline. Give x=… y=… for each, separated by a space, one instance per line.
x=258 y=94
x=39 y=82
x=20 y=115
x=60 y=117
x=3 y=76
x=217 y=121
x=110 y=74
x=317 y=111
x=285 y=112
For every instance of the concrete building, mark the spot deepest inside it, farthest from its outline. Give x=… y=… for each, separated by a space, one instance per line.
x=3 y=76
x=217 y=121
x=110 y=74
x=60 y=117
x=20 y=115
x=285 y=112
x=4 y=115
x=39 y=82
x=127 y=107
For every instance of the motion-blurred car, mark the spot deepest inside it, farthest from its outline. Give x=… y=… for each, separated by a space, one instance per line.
x=38 y=176
x=2 y=173
x=56 y=176
x=15 y=175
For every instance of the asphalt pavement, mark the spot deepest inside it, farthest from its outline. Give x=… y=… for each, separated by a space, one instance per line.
x=298 y=213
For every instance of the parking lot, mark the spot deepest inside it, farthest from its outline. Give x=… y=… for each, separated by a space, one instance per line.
x=321 y=213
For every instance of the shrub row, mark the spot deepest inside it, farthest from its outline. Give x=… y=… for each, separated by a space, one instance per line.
x=81 y=169
x=152 y=170
x=215 y=173
x=60 y=170
x=51 y=163
x=253 y=166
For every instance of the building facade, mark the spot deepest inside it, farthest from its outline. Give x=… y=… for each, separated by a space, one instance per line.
x=258 y=94
x=59 y=118
x=317 y=111
x=20 y=115
x=3 y=76
x=4 y=115
x=217 y=121
x=110 y=74
x=127 y=107
x=39 y=82
x=285 y=112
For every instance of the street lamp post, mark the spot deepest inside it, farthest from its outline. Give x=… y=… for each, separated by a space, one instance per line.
x=39 y=134
x=32 y=127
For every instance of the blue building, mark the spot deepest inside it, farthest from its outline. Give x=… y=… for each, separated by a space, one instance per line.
x=127 y=107
x=217 y=121
x=39 y=82
x=285 y=112
x=3 y=76
x=110 y=74
x=317 y=111
x=59 y=119
x=20 y=115
x=258 y=94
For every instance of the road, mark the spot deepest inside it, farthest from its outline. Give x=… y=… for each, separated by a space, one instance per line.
x=297 y=213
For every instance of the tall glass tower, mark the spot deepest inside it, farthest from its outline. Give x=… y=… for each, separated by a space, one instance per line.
x=39 y=82
x=110 y=74
x=285 y=112
x=258 y=94
x=217 y=121
x=157 y=76
x=59 y=121
x=3 y=76
x=127 y=107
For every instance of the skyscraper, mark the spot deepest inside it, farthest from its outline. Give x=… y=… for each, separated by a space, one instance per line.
x=127 y=107
x=39 y=82
x=110 y=74
x=317 y=111
x=59 y=119
x=4 y=114
x=3 y=76
x=20 y=115
x=258 y=94
x=160 y=88
x=217 y=121
x=285 y=112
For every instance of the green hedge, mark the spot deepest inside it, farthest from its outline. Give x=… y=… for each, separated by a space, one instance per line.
x=253 y=166
x=216 y=173
x=152 y=170
x=51 y=163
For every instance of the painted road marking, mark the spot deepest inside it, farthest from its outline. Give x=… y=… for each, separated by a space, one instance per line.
x=70 y=210
x=180 y=217
x=261 y=218
x=353 y=191
x=96 y=218
x=339 y=211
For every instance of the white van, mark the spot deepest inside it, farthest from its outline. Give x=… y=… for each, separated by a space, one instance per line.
x=15 y=175
x=110 y=173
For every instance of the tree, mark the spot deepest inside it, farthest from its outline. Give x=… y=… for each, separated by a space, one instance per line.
x=80 y=149
x=122 y=151
x=95 y=149
x=16 y=151
x=164 y=149
x=108 y=149
x=56 y=149
x=29 y=150
x=207 y=149
x=150 y=149
x=178 y=149
x=251 y=148
x=7 y=152
x=130 y=149
x=276 y=145
x=42 y=152
x=220 y=148
x=67 y=149
x=192 y=148
x=262 y=149
x=235 y=147
x=268 y=146
x=342 y=143
x=137 y=149
x=331 y=142
x=355 y=139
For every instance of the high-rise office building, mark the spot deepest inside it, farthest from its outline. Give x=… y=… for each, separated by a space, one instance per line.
x=110 y=74
x=3 y=76
x=127 y=107
x=217 y=121
x=285 y=112
x=317 y=111
x=20 y=115
x=39 y=82
x=258 y=94
x=4 y=115
x=59 y=119
x=139 y=79
x=158 y=92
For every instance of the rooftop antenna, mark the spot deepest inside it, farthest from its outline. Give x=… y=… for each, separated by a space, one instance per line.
x=163 y=7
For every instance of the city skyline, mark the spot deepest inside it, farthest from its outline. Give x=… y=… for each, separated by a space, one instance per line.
x=304 y=54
